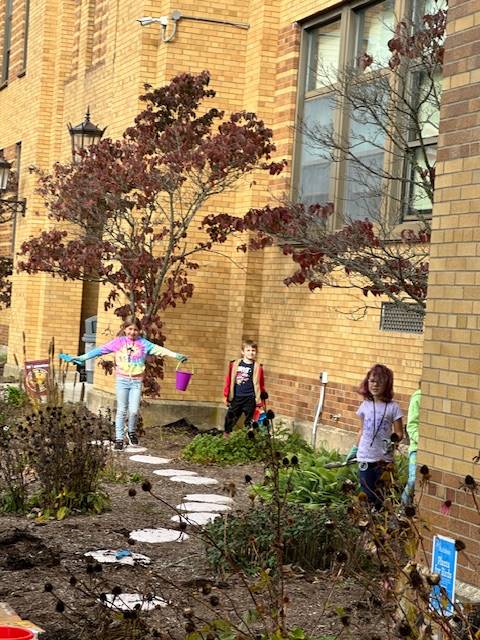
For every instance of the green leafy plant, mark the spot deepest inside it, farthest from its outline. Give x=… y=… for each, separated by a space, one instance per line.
x=15 y=396
x=312 y=485
x=310 y=540
x=241 y=447
x=14 y=472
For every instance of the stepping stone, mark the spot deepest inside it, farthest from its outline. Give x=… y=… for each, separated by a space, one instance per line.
x=150 y=459
x=202 y=506
x=107 y=556
x=158 y=535
x=193 y=480
x=173 y=472
x=199 y=519
x=133 y=448
x=128 y=602
x=208 y=497
x=105 y=443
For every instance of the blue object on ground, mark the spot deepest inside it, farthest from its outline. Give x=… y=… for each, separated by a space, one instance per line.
x=122 y=553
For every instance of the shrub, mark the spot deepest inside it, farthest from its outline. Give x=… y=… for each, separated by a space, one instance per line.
x=62 y=445
x=310 y=540
x=242 y=446
x=309 y=483
x=13 y=464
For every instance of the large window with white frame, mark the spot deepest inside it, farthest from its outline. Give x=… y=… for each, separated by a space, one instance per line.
x=346 y=152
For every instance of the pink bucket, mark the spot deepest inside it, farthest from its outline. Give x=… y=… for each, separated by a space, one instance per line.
x=15 y=633
x=182 y=378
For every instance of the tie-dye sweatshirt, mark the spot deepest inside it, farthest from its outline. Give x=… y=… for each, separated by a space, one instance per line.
x=130 y=355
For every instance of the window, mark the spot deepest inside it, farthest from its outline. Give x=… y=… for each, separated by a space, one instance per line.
x=356 y=145
x=26 y=18
x=422 y=146
x=373 y=26
x=323 y=54
x=7 y=40
x=18 y=159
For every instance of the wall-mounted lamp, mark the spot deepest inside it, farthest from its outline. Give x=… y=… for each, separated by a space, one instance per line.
x=83 y=135
x=176 y=16
x=10 y=206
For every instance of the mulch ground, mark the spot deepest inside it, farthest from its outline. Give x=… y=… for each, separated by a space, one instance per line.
x=32 y=555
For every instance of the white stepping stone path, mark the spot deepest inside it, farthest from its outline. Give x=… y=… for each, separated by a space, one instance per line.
x=174 y=472
x=107 y=556
x=150 y=459
x=155 y=536
x=200 y=518
x=194 y=480
x=198 y=507
x=208 y=497
x=130 y=601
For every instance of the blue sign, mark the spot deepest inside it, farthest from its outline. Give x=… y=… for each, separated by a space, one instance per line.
x=444 y=562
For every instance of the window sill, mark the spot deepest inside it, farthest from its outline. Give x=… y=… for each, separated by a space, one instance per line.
x=21 y=73
x=4 y=85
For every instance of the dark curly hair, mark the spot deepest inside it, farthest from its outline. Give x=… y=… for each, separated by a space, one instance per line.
x=384 y=374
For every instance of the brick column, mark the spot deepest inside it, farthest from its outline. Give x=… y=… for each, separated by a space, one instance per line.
x=450 y=419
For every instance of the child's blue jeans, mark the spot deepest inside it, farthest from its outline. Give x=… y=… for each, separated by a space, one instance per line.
x=128 y=392
x=407 y=495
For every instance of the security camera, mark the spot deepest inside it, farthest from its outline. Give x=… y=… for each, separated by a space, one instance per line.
x=146 y=20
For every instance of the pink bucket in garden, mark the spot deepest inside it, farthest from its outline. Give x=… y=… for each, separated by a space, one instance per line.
x=182 y=378
x=15 y=633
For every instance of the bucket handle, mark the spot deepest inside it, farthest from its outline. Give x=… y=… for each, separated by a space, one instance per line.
x=180 y=363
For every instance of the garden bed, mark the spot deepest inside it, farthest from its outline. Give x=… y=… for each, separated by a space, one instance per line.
x=178 y=571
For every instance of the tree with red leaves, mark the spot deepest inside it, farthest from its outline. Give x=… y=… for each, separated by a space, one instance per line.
x=126 y=210
x=391 y=103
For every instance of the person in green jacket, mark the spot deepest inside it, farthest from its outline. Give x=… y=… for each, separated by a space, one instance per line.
x=412 y=430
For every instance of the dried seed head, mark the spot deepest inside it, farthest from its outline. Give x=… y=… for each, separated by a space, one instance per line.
x=48 y=587
x=469 y=481
x=146 y=485
x=214 y=601
x=460 y=545
x=410 y=511
x=116 y=590
x=132 y=492
x=424 y=470
x=404 y=630
x=60 y=606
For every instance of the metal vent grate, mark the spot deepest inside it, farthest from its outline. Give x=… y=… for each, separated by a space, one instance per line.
x=399 y=318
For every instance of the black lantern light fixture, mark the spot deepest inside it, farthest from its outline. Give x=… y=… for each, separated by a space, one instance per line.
x=84 y=135
x=10 y=206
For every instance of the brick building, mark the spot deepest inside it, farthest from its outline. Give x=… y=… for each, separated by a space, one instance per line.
x=58 y=57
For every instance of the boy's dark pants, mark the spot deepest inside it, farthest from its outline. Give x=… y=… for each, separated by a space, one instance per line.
x=246 y=405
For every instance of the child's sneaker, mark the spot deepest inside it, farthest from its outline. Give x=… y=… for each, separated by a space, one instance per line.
x=118 y=446
x=133 y=438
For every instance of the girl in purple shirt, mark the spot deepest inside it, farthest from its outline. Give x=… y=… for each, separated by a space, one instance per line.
x=380 y=417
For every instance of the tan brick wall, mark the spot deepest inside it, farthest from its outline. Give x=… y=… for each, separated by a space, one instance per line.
x=94 y=53
x=450 y=435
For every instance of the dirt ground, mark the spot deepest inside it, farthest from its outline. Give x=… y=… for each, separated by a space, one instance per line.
x=32 y=555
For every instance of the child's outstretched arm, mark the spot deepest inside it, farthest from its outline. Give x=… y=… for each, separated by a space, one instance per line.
x=108 y=347
x=157 y=350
